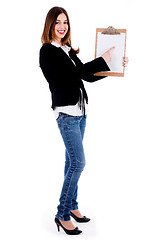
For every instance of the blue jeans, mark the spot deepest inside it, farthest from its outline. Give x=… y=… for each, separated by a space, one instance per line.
x=72 y=130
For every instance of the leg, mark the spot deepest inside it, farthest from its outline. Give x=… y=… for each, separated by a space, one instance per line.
x=67 y=163
x=82 y=129
x=71 y=134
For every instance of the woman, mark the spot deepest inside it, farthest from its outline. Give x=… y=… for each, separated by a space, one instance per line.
x=64 y=72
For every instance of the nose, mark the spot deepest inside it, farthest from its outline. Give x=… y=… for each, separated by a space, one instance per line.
x=61 y=26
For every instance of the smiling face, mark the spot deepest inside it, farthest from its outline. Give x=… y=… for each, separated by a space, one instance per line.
x=61 y=28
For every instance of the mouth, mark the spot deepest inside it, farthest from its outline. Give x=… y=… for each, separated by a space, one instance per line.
x=61 y=31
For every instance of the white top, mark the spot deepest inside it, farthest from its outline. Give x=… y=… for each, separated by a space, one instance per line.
x=73 y=110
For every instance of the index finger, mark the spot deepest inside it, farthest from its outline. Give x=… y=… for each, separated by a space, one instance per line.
x=111 y=49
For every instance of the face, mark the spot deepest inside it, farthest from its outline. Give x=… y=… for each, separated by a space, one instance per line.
x=61 y=28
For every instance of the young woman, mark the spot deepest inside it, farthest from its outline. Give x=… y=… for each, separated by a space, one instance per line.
x=64 y=72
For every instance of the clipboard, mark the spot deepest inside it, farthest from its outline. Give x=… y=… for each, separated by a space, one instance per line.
x=107 y=38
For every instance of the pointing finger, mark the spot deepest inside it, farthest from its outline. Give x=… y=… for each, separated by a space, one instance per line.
x=112 y=48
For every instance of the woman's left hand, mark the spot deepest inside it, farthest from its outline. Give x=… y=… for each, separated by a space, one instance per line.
x=125 y=61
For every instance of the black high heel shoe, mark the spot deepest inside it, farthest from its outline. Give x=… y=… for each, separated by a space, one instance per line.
x=75 y=231
x=80 y=220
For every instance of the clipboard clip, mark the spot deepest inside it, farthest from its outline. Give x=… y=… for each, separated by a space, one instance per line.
x=111 y=31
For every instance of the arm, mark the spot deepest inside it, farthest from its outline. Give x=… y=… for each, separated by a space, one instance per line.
x=106 y=56
x=56 y=70
x=93 y=78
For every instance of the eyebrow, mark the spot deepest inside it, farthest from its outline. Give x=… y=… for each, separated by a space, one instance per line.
x=60 y=20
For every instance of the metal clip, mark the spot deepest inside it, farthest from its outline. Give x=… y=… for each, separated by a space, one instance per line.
x=111 y=31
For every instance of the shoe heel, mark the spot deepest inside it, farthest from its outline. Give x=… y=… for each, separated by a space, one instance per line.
x=75 y=231
x=58 y=227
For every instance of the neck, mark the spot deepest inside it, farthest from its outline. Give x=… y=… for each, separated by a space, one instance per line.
x=58 y=41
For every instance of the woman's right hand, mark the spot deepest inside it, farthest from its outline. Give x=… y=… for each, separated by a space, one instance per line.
x=107 y=55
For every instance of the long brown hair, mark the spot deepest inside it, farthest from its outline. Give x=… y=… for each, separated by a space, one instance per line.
x=47 y=36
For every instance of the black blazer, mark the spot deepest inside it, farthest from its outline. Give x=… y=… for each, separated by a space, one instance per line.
x=65 y=77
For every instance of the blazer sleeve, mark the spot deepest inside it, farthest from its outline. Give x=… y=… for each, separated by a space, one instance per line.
x=91 y=77
x=56 y=72
x=96 y=65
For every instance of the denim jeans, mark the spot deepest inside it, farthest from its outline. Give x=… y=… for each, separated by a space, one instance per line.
x=72 y=130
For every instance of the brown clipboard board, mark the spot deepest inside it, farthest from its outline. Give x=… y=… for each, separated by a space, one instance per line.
x=111 y=31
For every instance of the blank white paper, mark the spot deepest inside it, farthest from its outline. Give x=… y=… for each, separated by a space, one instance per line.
x=105 y=42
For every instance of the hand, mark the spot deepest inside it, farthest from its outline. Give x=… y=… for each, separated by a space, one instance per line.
x=107 y=55
x=125 y=61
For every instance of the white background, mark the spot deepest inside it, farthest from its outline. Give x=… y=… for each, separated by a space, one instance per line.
x=119 y=188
